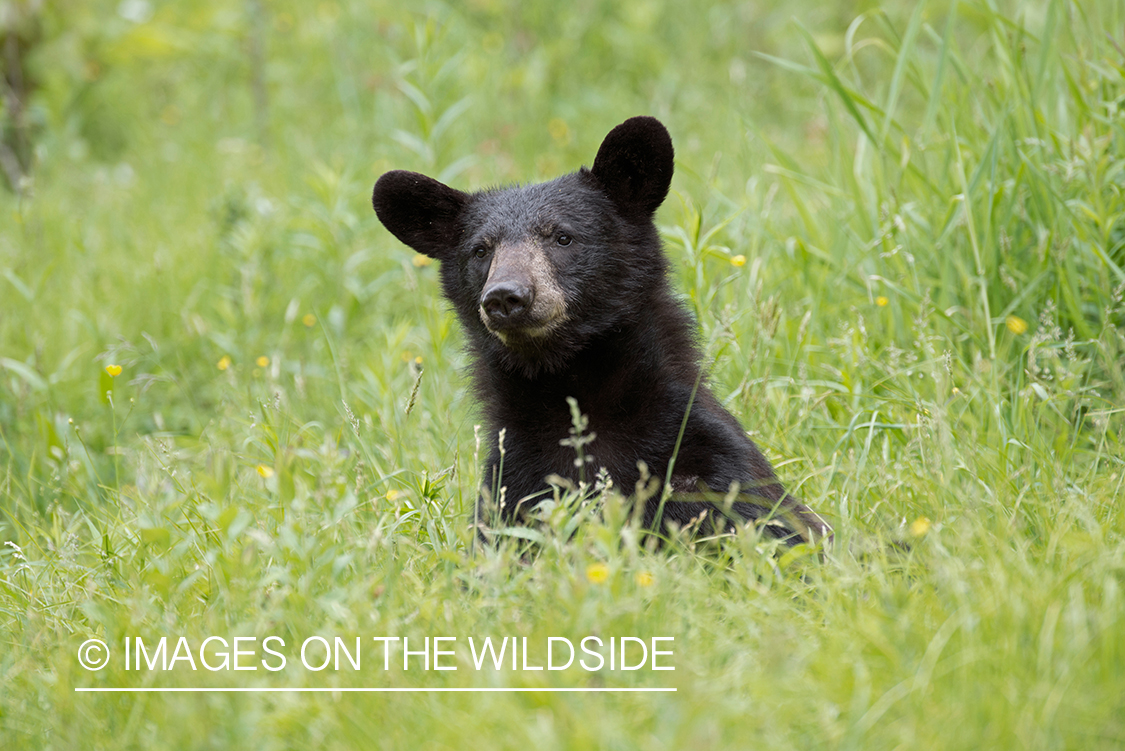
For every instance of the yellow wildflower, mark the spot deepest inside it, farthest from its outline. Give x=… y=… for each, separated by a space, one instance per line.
x=309 y=320
x=644 y=579
x=223 y=363
x=1016 y=325
x=597 y=573
x=113 y=370
x=881 y=301
x=265 y=471
x=739 y=260
x=420 y=260
x=920 y=526
x=392 y=494
x=262 y=362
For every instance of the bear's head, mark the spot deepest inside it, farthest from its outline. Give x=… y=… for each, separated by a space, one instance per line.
x=536 y=272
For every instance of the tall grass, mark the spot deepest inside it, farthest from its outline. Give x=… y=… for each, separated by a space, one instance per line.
x=901 y=229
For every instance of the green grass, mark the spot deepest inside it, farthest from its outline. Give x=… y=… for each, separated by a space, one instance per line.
x=902 y=228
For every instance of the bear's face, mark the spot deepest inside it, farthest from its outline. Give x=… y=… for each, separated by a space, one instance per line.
x=528 y=256
x=534 y=272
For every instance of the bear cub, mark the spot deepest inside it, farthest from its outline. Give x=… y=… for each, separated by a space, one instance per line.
x=562 y=290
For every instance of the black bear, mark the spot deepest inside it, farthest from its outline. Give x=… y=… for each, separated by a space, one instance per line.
x=562 y=289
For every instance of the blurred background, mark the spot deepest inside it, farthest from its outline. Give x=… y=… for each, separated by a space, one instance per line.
x=197 y=173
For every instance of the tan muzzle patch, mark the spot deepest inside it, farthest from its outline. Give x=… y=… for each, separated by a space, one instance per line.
x=524 y=266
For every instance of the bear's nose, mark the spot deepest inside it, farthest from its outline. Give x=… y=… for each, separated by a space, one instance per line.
x=505 y=300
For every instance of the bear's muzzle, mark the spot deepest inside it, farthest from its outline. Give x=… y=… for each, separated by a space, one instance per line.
x=521 y=297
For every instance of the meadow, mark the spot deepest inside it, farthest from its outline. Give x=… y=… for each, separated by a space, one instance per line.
x=232 y=405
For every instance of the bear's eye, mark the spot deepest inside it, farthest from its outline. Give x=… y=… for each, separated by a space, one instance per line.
x=563 y=239
x=480 y=251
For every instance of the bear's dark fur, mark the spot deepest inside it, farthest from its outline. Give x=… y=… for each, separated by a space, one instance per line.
x=562 y=289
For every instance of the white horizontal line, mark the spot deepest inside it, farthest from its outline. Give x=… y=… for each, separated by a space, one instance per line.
x=206 y=690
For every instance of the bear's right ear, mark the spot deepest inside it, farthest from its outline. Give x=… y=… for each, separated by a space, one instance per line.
x=634 y=165
x=419 y=210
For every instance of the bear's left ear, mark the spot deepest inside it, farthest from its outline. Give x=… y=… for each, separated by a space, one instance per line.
x=419 y=210
x=634 y=165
